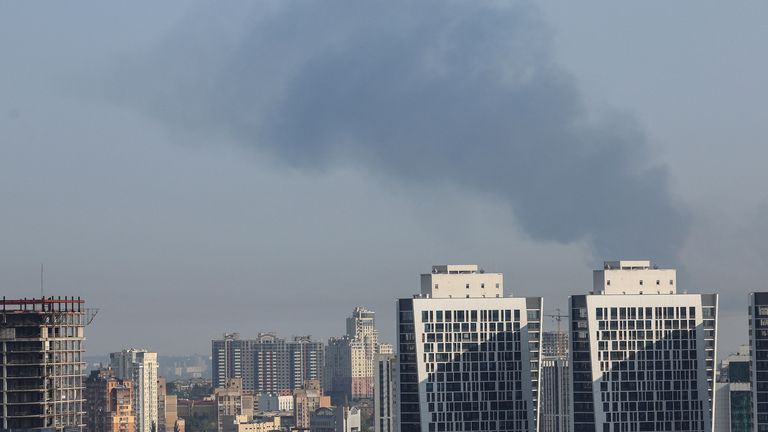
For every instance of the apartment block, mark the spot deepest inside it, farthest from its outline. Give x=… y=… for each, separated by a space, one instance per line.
x=140 y=366
x=468 y=355
x=642 y=355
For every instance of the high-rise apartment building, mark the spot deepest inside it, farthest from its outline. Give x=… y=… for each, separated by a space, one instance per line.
x=109 y=403
x=733 y=393
x=555 y=401
x=307 y=361
x=468 y=355
x=227 y=359
x=267 y=364
x=554 y=404
x=758 y=341
x=642 y=356
x=385 y=397
x=140 y=366
x=41 y=360
x=350 y=359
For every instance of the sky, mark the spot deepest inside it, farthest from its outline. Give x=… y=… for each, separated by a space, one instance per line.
x=195 y=168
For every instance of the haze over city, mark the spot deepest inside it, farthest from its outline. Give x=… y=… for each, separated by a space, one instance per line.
x=195 y=168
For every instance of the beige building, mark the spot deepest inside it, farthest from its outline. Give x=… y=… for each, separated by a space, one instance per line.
x=231 y=403
x=139 y=366
x=246 y=424
x=108 y=403
x=167 y=409
x=349 y=359
x=306 y=401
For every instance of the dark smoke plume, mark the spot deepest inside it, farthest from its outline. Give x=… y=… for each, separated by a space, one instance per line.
x=464 y=92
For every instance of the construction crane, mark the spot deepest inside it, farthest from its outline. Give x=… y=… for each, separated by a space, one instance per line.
x=557 y=317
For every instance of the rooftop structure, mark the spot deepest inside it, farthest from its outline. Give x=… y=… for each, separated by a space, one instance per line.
x=633 y=277
x=461 y=281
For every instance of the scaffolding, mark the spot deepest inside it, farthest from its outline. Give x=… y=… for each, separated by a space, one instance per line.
x=42 y=343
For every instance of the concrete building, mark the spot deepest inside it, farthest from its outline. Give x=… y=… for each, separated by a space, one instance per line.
x=306 y=401
x=758 y=341
x=642 y=356
x=41 y=360
x=385 y=397
x=275 y=402
x=140 y=366
x=232 y=403
x=167 y=409
x=733 y=393
x=267 y=364
x=108 y=403
x=469 y=356
x=350 y=359
x=554 y=344
x=335 y=419
x=555 y=404
x=268 y=424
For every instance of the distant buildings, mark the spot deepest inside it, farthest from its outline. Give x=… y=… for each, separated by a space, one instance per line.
x=385 y=397
x=469 y=357
x=275 y=402
x=109 y=403
x=267 y=364
x=758 y=341
x=232 y=403
x=140 y=366
x=642 y=356
x=306 y=400
x=554 y=344
x=555 y=403
x=350 y=359
x=733 y=394
x=335 y=419
x=41 y=356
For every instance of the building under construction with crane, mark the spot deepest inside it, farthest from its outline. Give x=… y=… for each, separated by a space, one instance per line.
x=42 y=342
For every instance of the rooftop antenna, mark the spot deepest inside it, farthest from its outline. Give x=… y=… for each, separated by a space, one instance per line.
x=42 y=296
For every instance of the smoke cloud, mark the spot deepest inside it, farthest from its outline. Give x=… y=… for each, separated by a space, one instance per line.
x=431 y=92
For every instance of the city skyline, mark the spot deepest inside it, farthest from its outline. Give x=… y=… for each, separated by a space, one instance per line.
x=129 y=165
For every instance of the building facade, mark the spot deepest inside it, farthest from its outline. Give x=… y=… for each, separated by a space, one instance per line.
x=232 y=403
x=468 y=356
x=642 y=356
x=140 y=366
x=385 y=397
x=335 y=419
x=733 y=393
x=109 y=403
x=306 y=400
x=267 y=364
x=555 y=404
x=42 y=345
x=554 y=344
x=350 y=359
x=758 y=341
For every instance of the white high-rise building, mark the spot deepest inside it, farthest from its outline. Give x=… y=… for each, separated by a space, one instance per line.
x=140 y=366
x=468 y=356
x=642 y=356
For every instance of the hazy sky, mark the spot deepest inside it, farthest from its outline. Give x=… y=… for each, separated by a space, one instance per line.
x=194 y=168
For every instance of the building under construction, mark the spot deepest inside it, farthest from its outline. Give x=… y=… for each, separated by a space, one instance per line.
x=42 y=363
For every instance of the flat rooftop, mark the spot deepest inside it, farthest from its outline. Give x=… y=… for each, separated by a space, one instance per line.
x=627 y=265
x=456 y=269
